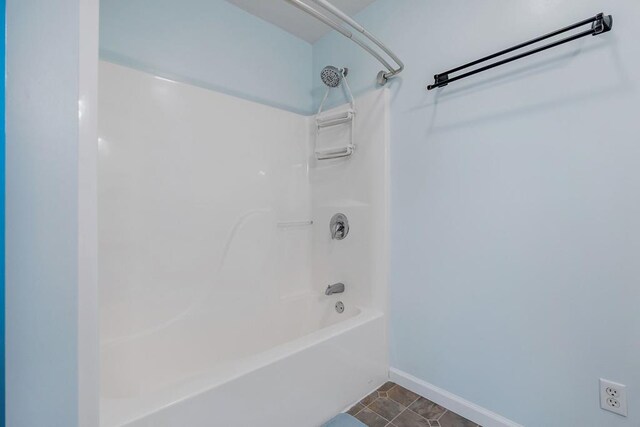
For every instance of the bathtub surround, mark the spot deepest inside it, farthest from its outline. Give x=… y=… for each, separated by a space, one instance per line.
x=212 y=44
x=514 y=210
x=214 y=221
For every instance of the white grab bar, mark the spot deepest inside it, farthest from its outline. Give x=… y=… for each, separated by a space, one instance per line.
x=294 y=224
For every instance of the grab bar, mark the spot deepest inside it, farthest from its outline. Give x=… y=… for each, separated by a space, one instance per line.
x=383 y=76
x=294 y=224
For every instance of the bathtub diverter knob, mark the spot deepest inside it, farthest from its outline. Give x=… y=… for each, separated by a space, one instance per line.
x=336 y=288
x=339 y=226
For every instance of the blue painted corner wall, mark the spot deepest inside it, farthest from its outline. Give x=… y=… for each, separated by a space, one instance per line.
x=211 y=44
x=2 y=73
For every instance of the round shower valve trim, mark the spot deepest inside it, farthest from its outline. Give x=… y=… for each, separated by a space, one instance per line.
x=339 y=226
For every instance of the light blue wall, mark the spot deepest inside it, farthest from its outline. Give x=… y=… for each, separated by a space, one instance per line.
x=209 y=43
x=515 y=280
x=42 y=80
x=2 y=148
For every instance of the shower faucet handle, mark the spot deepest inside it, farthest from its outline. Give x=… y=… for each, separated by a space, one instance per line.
x=338 y=230
x=339 y=226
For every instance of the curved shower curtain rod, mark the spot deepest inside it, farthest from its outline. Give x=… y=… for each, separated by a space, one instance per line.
x=383 y=76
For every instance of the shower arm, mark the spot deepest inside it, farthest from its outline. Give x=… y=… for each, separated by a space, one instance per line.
x=383 y=76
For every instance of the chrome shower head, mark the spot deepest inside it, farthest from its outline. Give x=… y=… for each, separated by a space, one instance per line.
x=332 y=76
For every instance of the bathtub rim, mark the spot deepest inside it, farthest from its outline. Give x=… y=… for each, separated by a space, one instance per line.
x=129 y=410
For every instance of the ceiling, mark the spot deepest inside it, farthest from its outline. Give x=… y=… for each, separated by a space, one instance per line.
x=293 y=20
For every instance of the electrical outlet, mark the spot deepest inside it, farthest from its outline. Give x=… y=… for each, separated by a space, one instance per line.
x=613 y=397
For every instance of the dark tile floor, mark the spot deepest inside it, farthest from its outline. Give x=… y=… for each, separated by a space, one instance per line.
x=395 y=406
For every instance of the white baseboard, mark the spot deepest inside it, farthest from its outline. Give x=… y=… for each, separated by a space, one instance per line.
x=456 y=404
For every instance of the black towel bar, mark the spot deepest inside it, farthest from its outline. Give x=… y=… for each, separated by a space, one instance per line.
x=600 y=23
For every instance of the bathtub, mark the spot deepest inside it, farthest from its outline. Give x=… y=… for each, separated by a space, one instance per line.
x=301 y=377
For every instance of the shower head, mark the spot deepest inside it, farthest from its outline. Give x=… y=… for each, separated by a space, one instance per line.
x=332 y=76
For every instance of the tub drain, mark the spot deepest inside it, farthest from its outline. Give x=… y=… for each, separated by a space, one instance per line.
x=339 y=307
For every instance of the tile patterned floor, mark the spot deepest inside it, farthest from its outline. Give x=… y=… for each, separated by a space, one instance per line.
x=395 y=406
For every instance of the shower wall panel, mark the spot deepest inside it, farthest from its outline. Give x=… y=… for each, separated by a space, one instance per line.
x=356 y=186
x=192 y=186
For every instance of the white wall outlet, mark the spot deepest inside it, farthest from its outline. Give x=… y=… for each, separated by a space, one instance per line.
x=613 y=397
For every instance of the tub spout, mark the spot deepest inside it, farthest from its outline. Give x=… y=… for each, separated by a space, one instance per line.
x=337 y=288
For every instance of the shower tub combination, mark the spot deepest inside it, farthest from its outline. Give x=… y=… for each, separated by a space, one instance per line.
x=216 y=250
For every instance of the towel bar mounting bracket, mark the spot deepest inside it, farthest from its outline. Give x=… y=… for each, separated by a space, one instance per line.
x=602 y=24
x=440 y=80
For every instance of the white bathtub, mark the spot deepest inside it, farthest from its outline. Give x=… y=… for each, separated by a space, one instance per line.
x=303 y=377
